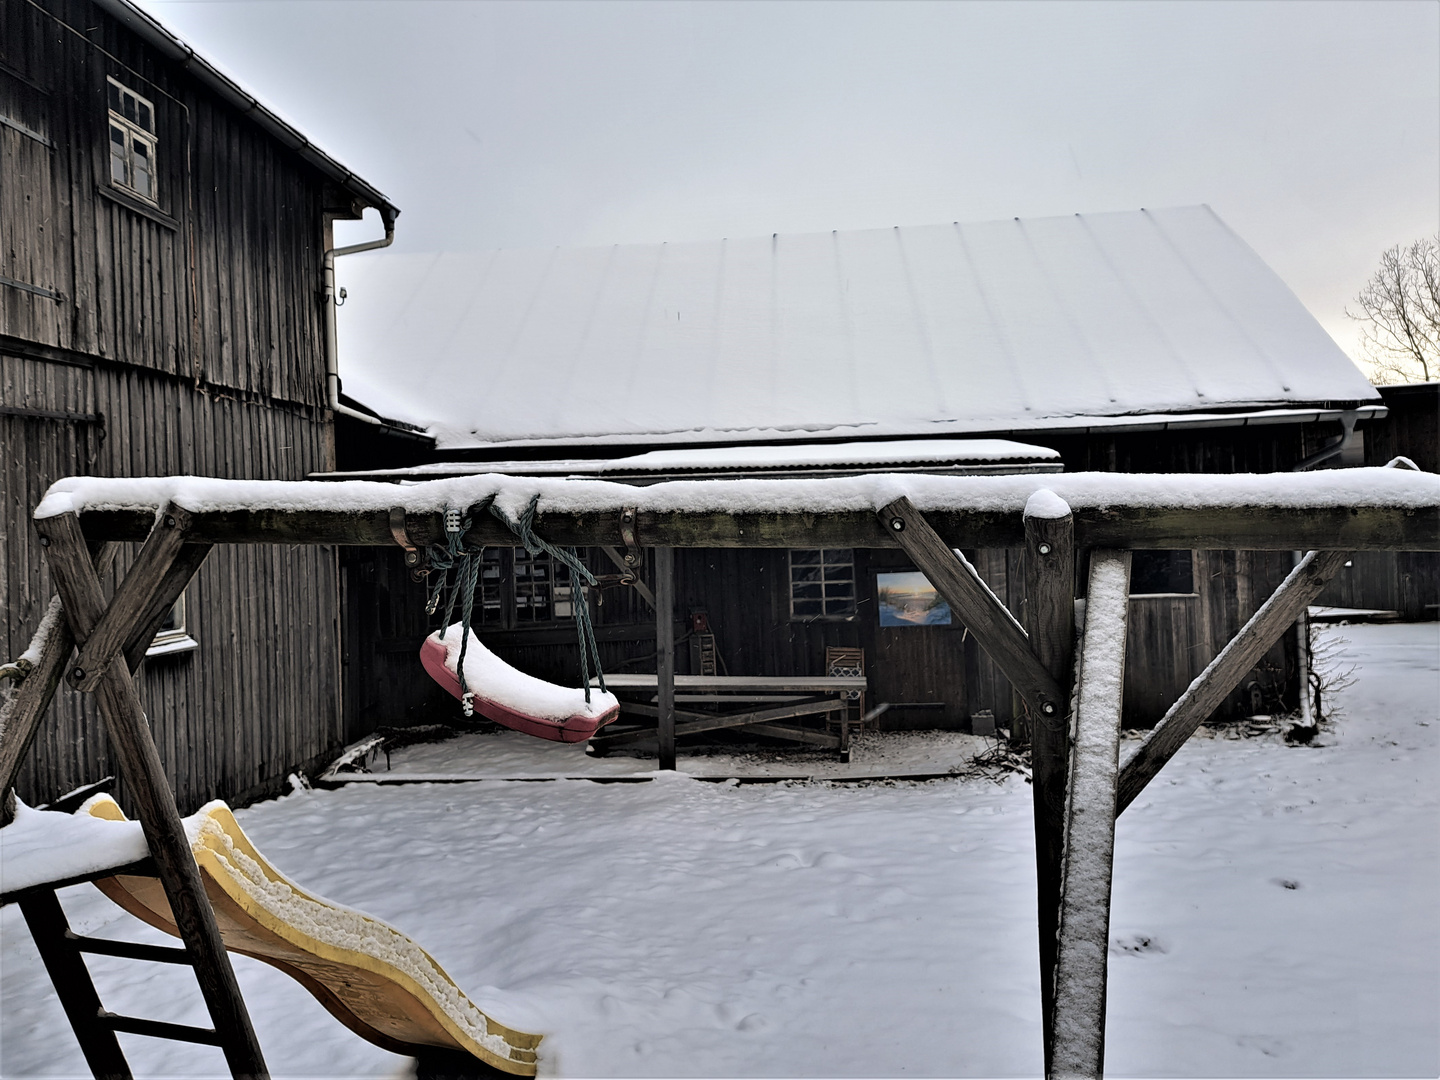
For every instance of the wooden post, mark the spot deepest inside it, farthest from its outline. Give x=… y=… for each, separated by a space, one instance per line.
x=1204 y=695
x=71 y=978
x=1081 y=955
x=665 y=652
x=144 y=776
x=1050 y=620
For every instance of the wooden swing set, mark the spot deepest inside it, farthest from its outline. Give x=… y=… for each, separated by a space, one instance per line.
x=1079 y=784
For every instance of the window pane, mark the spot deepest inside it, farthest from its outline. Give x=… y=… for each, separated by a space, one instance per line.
x=840 y=607
x=839 y=555
x=146 y=121
x=839 y=573
x=114 y=96
x=807 y=607
x=839 y=588
x=804 y=558
x=118 y=171
x=806 y=591
x=128 y=101
x=805 y=573
x=1161 y=572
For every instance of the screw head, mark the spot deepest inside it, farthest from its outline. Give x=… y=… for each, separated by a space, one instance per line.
x=1048 y=708
x=44 y=541
x=169 y=521
x=78 y=674
x=1044 y=549
x=898 y=524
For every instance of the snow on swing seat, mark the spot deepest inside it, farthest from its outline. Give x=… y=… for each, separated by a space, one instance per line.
x=512 y=698
x=372 y=978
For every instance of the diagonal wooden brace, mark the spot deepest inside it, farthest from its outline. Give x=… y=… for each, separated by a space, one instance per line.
x=144 y=776
x=1077 y=1036
x=978 y=608
x=1245 y=650
x=132 y=599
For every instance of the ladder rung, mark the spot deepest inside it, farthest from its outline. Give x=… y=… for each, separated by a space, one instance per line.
x=158 y=1029
x=132 y=950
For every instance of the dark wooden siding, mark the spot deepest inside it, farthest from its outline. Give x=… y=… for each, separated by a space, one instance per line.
x=219 y=283
x=260 y=695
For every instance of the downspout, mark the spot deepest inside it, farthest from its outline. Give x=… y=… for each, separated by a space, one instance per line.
x=332 y=345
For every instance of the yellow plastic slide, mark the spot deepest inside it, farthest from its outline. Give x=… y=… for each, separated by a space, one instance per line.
x=372 y=978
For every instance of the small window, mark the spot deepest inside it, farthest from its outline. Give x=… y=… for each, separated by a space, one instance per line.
x=518 y=589
x=822 y=584
x=132 y=142
x=1162 y=573
x=172 y=637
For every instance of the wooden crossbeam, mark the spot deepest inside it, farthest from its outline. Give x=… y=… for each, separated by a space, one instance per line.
x=1078 y=1026
x=132 y=598
x=976 y=606
x=1210 y=688
x=693 y=723
x=1050 y=620
x=144 y=775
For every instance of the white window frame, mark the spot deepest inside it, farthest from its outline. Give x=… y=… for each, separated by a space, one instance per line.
x=174 y=638
x=133 y=132
x=824 y=582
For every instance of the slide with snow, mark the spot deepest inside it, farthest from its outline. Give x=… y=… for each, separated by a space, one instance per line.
x=512 y=698
x=371 y=977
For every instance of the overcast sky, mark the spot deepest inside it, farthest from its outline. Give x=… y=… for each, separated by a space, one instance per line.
x=1313 y=129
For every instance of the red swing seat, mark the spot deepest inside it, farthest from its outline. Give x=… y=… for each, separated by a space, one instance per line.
x=511 y=698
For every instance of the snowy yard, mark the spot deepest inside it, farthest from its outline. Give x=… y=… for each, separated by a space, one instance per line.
x=1274 y=912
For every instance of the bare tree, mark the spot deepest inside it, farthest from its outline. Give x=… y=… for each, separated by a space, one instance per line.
x=1400 y=313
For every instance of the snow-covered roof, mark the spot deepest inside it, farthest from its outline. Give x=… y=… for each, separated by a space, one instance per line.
x=810 y=459
x=997 y=327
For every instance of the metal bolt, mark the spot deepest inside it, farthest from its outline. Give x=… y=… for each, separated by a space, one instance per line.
x=44 y=541
x=169 y=521
x=898 y=524
x=78 y=674
x=1048 y=708
x=1044 y=549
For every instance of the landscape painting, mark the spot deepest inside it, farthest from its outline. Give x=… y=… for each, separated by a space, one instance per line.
x=908 y=599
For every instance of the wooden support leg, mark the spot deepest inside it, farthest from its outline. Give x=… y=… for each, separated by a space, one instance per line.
x=1078 y=1034
x=1050 y=620
x=68 y=972
x=28 y=706
x=665 y=652
x=1204 y=695
x=144 y=776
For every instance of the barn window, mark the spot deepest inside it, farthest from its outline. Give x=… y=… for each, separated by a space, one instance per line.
x=173 y=636
x=822 y=584
x=132 y=142
x=1161 y=573
x=518 y=589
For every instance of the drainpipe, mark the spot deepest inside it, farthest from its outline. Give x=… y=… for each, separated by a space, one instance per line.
x=332 y=347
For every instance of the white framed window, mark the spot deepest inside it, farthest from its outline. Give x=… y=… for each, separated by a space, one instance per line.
x=132 y=142
x=822 y=583
x=1162 y=573
x=172 y=637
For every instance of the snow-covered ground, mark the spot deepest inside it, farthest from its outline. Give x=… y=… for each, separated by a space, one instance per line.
x=1274 y=912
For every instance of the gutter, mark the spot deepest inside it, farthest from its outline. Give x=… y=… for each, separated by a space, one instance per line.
x=332 y=344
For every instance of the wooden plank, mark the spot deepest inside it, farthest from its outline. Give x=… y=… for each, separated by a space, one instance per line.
x=34 y=695
x=665 y=652
x=1082 y=950
x=741 y=685
x=1211 y=686
x=640 y=587
x=796 y=734
x=1050 y=619
x=71 y=979
x=696 y=723
x=133 y=599
x=144 y=776
x=988 y=620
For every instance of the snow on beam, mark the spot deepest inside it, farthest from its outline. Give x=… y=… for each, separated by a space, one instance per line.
x=1078 y=1035
x=1205 y=694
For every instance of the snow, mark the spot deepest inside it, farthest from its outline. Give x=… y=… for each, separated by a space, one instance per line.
x=1045 y=505
x=493 y=679
x=48 y=622
x=1339 y=487
x=679 y=928
x=43 y=845
x=910 y=332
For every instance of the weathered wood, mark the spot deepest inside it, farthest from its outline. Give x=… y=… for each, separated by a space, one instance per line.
x=1289 y=528
x=133 y=598
x=976 y=606
x=639 y=586
x=691 y=723
x=1204 y=695
x=796 y=734
x=1050 y=620
x=145 y=779
x=1082 y=950
x=186 y=563
x=67 y=971
x=34 y=695
x=665 y=653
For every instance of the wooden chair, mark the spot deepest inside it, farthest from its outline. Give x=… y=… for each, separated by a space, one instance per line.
x=842 y=660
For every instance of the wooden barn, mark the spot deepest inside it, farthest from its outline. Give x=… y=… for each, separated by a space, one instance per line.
x=164 y=309
x=1141 y=342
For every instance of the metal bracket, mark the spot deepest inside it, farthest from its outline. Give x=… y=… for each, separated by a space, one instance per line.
x=633 y=553
x=412 y=553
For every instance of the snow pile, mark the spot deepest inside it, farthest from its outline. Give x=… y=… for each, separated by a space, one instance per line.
x=492 y=678
x=995 y=494
x=42 y=845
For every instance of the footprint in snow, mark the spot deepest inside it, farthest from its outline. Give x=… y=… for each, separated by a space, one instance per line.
x=1137 y=945
x=1285 y=883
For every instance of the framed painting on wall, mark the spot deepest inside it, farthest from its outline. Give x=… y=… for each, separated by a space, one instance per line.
x=908 y=599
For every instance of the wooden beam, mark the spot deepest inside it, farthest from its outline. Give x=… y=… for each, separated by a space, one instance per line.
x=696 y=723
x=33 y=696
x=665 y=653
x=640 y=587
x=171 y=586
x=976 y=606
x=1081 y=956
x=1284 y=528
x=1210 y=688
x=144 y=776
x=133 y=598
x=1050 y=620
